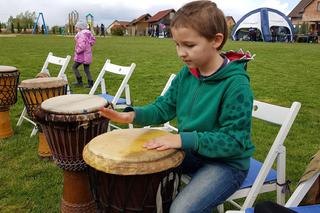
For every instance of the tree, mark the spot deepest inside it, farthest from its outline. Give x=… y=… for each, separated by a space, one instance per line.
x=0 y=27
x=22 y=21
x=97 y=30
x=117 y=30
x=18 y=27
x=12 y=27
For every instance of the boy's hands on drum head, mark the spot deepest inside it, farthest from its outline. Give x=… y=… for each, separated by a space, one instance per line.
x=120 y=117
x=170 y=141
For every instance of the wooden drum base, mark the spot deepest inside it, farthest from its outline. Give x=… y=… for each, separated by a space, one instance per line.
x=43 y=148
x=77 y=196
x=5 y=127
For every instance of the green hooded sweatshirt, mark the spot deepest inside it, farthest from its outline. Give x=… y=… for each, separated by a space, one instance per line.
x=213 y=113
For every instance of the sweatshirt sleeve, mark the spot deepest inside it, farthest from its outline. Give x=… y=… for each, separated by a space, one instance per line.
x=160 y=111
x=233 y=136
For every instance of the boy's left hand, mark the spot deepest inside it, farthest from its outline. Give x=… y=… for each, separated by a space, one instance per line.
x=170 y=141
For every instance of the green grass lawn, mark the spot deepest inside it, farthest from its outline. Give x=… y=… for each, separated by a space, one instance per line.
x=280 y=74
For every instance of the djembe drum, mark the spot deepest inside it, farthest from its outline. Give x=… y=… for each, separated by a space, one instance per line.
x=9 y=78
x=34 y=92
x=69 y=123
x=125 y=177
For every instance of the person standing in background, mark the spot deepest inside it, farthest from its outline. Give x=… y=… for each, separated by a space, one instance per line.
x=83 y=53
x=102 y=31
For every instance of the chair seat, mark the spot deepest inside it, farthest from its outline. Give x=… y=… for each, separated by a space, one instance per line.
x=109 y=98
x=299 y=209
x=254 y=169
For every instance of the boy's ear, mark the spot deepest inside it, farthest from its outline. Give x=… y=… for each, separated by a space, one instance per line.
x=217 y=41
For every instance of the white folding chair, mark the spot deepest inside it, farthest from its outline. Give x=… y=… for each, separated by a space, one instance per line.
x=51 y=59
x=262 y=177
x=296 y=197
x=166 y=126
x=116 y=100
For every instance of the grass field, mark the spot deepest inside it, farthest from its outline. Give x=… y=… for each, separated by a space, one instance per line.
x=280 y=74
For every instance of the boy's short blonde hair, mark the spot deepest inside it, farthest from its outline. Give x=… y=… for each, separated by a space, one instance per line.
x=204 y=17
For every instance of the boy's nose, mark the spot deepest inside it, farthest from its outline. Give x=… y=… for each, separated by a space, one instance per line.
x=181 y=53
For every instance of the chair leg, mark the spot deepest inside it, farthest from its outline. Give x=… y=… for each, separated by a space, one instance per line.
x=220 y=208
x=281 y=176
x=34 y=131
x=23 y=113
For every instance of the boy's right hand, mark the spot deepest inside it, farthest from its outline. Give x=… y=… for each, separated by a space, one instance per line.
x=120 y=117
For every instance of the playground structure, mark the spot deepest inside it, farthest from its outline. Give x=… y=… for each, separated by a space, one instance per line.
x=73 y=18
x=90 y=21
x=45 y=30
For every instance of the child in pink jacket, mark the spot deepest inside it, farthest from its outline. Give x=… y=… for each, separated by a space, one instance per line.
x=83 y=53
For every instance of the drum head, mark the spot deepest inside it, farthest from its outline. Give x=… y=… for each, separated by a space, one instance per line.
x=7 y=69
x=73 y=104
x=121 y=152
x=50 y=82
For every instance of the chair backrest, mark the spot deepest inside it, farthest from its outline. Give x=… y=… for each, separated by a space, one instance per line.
x=278 y=115
x=125 y=71
x=63 y=62
x=166 y=87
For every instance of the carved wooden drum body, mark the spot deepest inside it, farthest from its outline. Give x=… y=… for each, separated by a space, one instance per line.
x=9 y=78
x=125 y=177
x=69 y=123
x=34 y=92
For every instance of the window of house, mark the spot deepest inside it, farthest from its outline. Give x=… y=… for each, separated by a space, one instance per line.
x=318 y=6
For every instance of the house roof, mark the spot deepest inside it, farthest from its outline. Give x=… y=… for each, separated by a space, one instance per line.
x=124 y=23
x=299 y=9
x=159 y=15
x=121 y=23
x=141 y=18
x=230 y=18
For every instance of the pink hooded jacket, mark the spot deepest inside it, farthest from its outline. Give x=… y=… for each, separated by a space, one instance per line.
x=83 y=52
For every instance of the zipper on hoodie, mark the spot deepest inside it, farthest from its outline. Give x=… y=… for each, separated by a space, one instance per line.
x=195 y=95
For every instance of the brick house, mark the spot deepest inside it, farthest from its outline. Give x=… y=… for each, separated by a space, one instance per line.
x=118 y=24
x=307 y=12
x=139 y=26
x=230 y=21
x=159 y=24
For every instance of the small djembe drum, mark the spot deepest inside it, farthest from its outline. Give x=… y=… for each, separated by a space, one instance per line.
x=69 y=123
x=125 y=177
x=9 y=78
x=34 y=92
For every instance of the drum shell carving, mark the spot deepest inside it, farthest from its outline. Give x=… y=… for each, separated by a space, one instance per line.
x=8 y=89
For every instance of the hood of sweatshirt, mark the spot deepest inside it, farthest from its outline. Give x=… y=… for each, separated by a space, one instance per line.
x=236 y=59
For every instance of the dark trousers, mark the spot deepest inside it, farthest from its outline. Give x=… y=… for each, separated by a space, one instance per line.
x=86 y=68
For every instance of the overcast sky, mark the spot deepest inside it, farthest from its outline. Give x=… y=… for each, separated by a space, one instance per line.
x=106 y=11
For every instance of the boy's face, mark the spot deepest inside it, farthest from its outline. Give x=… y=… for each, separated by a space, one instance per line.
x=193 y=49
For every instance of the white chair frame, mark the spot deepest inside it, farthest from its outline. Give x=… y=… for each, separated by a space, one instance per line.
x=284 y=117
x=166 y=126
x=297 y=195
x=51 y=59
x=126 y=72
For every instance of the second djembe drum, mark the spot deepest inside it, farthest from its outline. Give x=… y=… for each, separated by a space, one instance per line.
x=125 y=177
x=34 y=92
x=69 y=123
x=9 y=78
